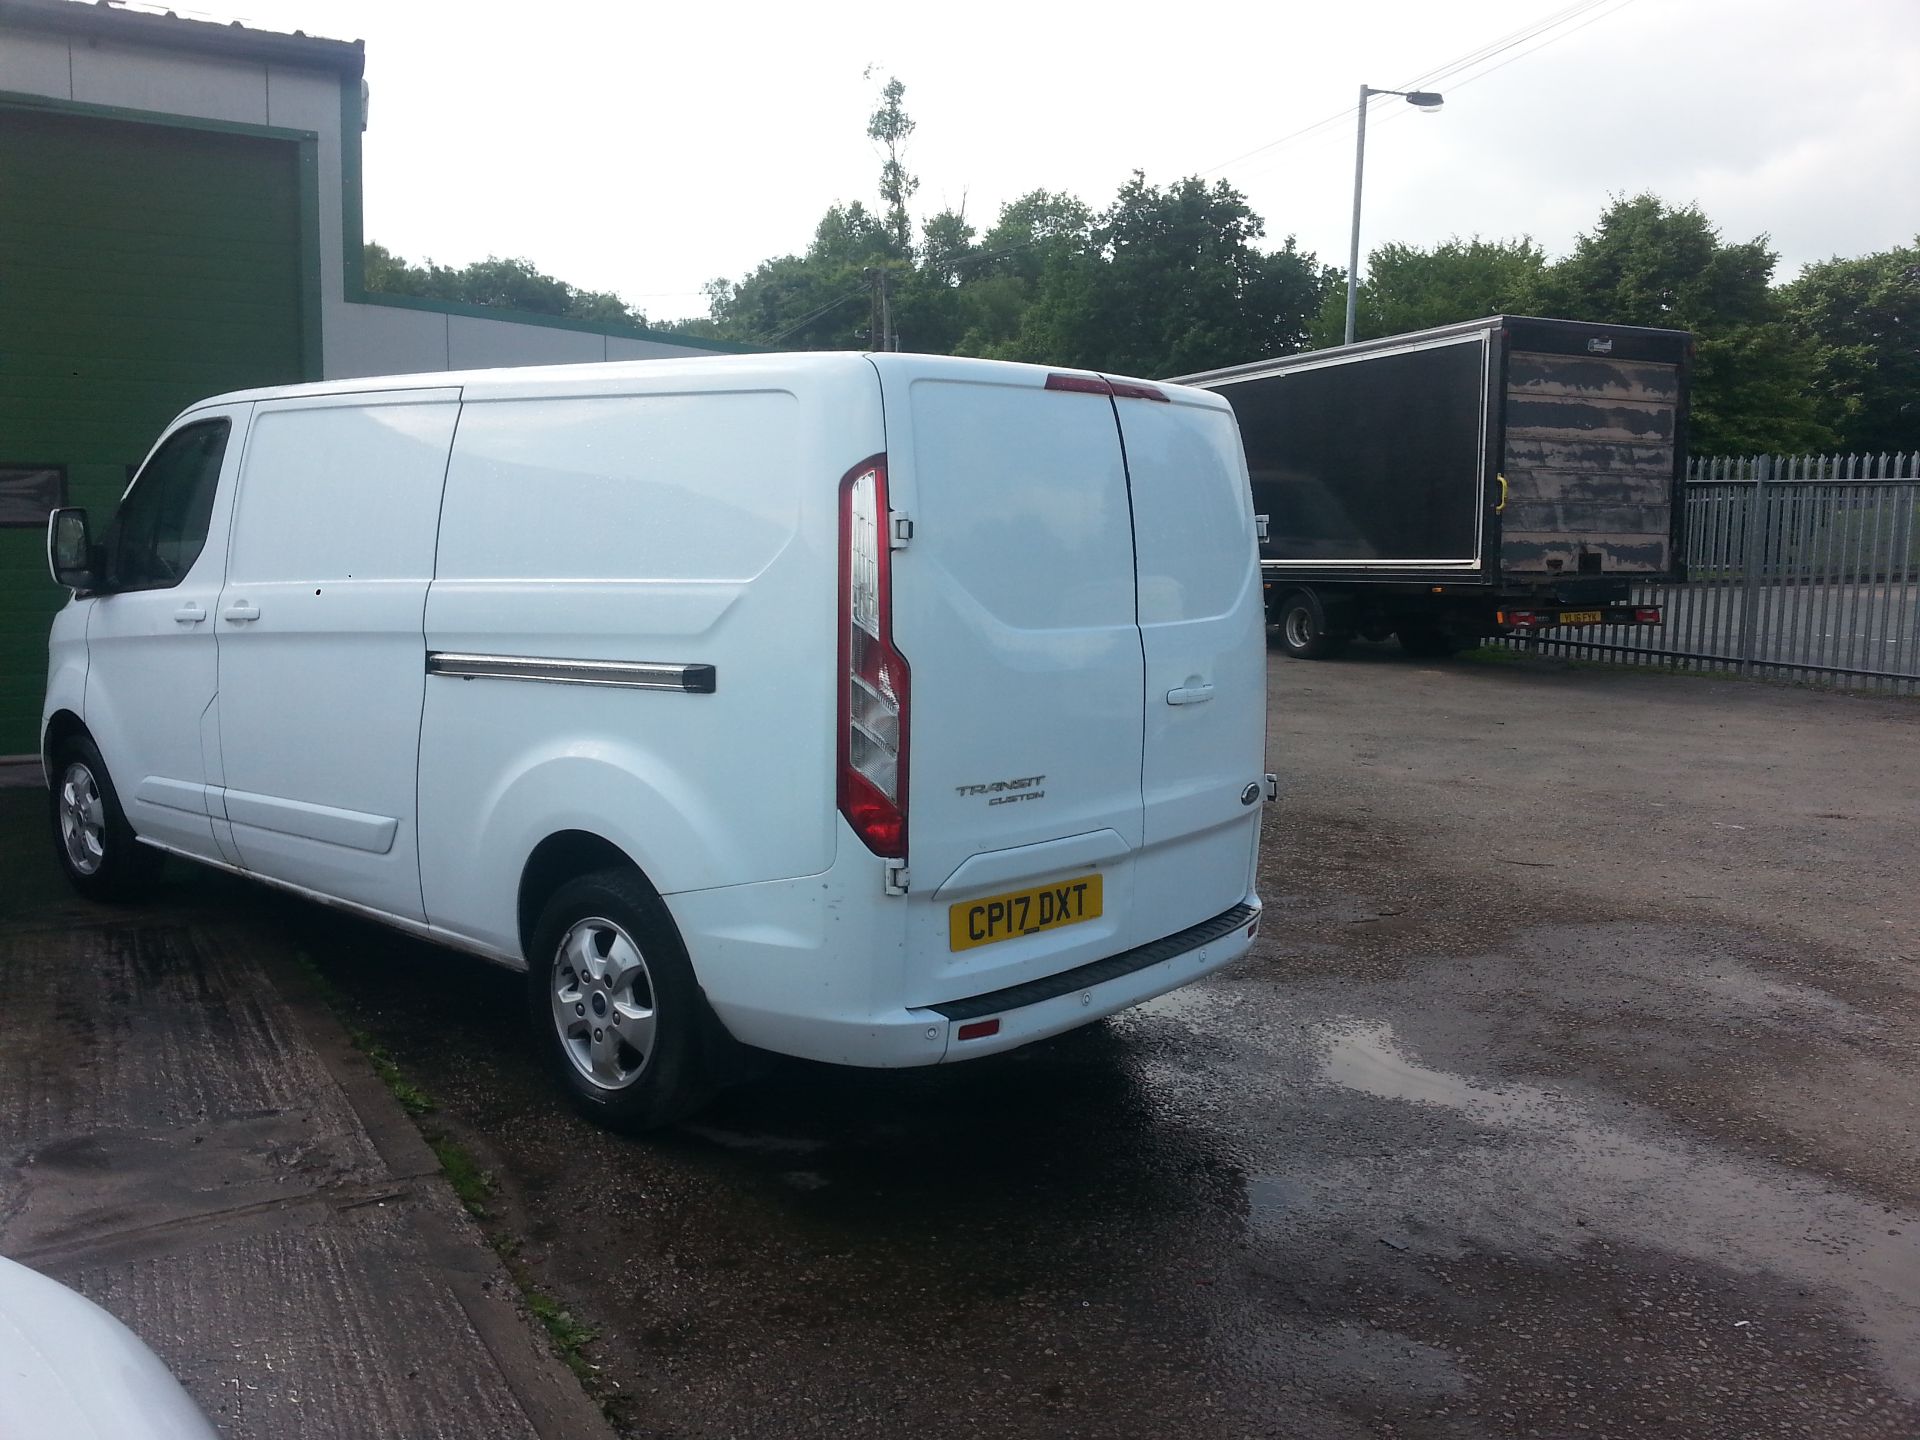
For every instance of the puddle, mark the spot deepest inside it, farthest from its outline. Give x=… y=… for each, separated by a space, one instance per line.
x=1365 y=1058
x=1567 y=1177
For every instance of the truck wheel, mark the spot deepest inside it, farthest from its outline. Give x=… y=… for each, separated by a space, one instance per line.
x=98 y=852
x=615 y=1006
x=1428 y=642
x=1303 y=630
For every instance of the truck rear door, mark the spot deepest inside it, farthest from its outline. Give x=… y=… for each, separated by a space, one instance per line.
x=1201 y=632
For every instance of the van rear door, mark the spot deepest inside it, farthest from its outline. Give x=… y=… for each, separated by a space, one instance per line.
x=1013 y=607
x=1201 y=631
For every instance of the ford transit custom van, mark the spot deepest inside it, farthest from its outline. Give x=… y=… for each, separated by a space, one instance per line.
x=885 y=710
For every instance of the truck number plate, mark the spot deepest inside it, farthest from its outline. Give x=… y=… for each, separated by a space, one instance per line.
x=994 y=918
x=1582 y=617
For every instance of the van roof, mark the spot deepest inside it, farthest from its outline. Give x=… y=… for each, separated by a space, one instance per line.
x=720 y=370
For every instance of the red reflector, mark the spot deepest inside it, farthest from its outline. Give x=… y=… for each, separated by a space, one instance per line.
x=1647 y=615
x=979 y=1029
x=1128 y=390
x=1087 y=384
x=1253 y=929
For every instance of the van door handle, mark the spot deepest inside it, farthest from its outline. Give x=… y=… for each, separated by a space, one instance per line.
x=1190 y=695
x=190 y=613
x=241 y=611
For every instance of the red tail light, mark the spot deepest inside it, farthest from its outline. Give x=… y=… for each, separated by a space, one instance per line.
x=1647 y=615
x=873 y=675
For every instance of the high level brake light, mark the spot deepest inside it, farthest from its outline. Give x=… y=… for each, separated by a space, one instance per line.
x=873 y=675
x=1098 y=385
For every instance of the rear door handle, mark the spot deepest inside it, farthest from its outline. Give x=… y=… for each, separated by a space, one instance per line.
x=1190 y=695
x=241 y=611
x=190 y=613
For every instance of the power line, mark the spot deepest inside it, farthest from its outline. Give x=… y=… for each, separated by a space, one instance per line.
x=805 y=321
x=1455 y=86
x=1550 y=40
x=1484 y=52
x=1503 y=44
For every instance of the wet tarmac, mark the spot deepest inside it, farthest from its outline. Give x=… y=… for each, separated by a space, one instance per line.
x=1571 y=1090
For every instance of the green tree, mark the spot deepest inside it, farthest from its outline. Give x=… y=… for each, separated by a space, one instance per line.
x=1646 y=263
x=812 y=301
x=1407 y=288
x=1862 y=318
x=508 y=284
x=1172 y=282
x=890 y=125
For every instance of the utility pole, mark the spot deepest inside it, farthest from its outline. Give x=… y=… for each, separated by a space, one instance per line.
x=880 y=334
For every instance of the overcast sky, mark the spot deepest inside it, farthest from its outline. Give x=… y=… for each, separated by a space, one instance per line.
x=647 y=148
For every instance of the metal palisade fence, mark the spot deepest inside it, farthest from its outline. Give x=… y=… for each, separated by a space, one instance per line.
x=1798 y=568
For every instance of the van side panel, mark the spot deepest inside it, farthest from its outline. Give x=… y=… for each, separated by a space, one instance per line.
x=320 y=689
x=653 y=528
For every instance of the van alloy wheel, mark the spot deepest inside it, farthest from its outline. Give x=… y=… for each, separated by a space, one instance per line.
x=83 y=819
x=603 y=1003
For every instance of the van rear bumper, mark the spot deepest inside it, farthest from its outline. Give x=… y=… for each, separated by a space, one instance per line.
x=1032 y=1011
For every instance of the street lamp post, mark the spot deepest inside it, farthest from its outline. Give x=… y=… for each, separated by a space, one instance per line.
x=1426 y=100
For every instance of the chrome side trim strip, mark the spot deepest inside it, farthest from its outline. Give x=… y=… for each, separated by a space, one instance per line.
x=625 y=674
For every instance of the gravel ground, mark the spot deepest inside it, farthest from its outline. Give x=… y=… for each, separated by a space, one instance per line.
x=1571 y=1090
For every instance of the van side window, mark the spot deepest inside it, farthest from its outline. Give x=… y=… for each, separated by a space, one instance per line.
x=162 y=524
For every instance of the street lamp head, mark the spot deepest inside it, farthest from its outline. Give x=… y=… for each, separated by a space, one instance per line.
x=1426 y=99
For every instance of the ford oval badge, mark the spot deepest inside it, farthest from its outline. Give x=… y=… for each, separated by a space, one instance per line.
x=1250 y=794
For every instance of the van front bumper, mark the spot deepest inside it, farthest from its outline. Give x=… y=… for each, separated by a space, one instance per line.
x=963 y=1029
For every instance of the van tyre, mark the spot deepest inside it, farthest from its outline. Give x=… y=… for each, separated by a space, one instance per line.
x=615 y=1007
x=1428 y=642
x=1302 y=631
x=98 y=851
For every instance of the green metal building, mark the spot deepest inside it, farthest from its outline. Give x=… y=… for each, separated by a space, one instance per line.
x=179 y=216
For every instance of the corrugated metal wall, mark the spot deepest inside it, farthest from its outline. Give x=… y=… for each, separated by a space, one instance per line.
x=142 y=267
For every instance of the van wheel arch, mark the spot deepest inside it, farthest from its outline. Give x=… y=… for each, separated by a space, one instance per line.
x=564 y=855
x=62 y=726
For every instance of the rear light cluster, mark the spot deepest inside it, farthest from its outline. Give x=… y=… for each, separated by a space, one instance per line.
x=873 y=680
x=1647 y=615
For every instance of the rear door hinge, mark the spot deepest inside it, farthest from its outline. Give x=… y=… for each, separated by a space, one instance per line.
x=901 y=532
x=1260 y=525
x=896 y=879
x=1273 y=788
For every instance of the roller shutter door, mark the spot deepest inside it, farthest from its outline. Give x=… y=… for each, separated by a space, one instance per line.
x=142 y=267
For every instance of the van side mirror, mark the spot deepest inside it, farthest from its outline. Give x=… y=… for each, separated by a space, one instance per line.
x=70 y=553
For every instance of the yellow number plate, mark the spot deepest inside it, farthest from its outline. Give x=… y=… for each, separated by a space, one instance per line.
x=994 y=918
x=1582 y=617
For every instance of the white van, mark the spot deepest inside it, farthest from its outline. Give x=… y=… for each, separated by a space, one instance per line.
x=880 y=709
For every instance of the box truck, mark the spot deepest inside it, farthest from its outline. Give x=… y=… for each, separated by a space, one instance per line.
x=1504 y=475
